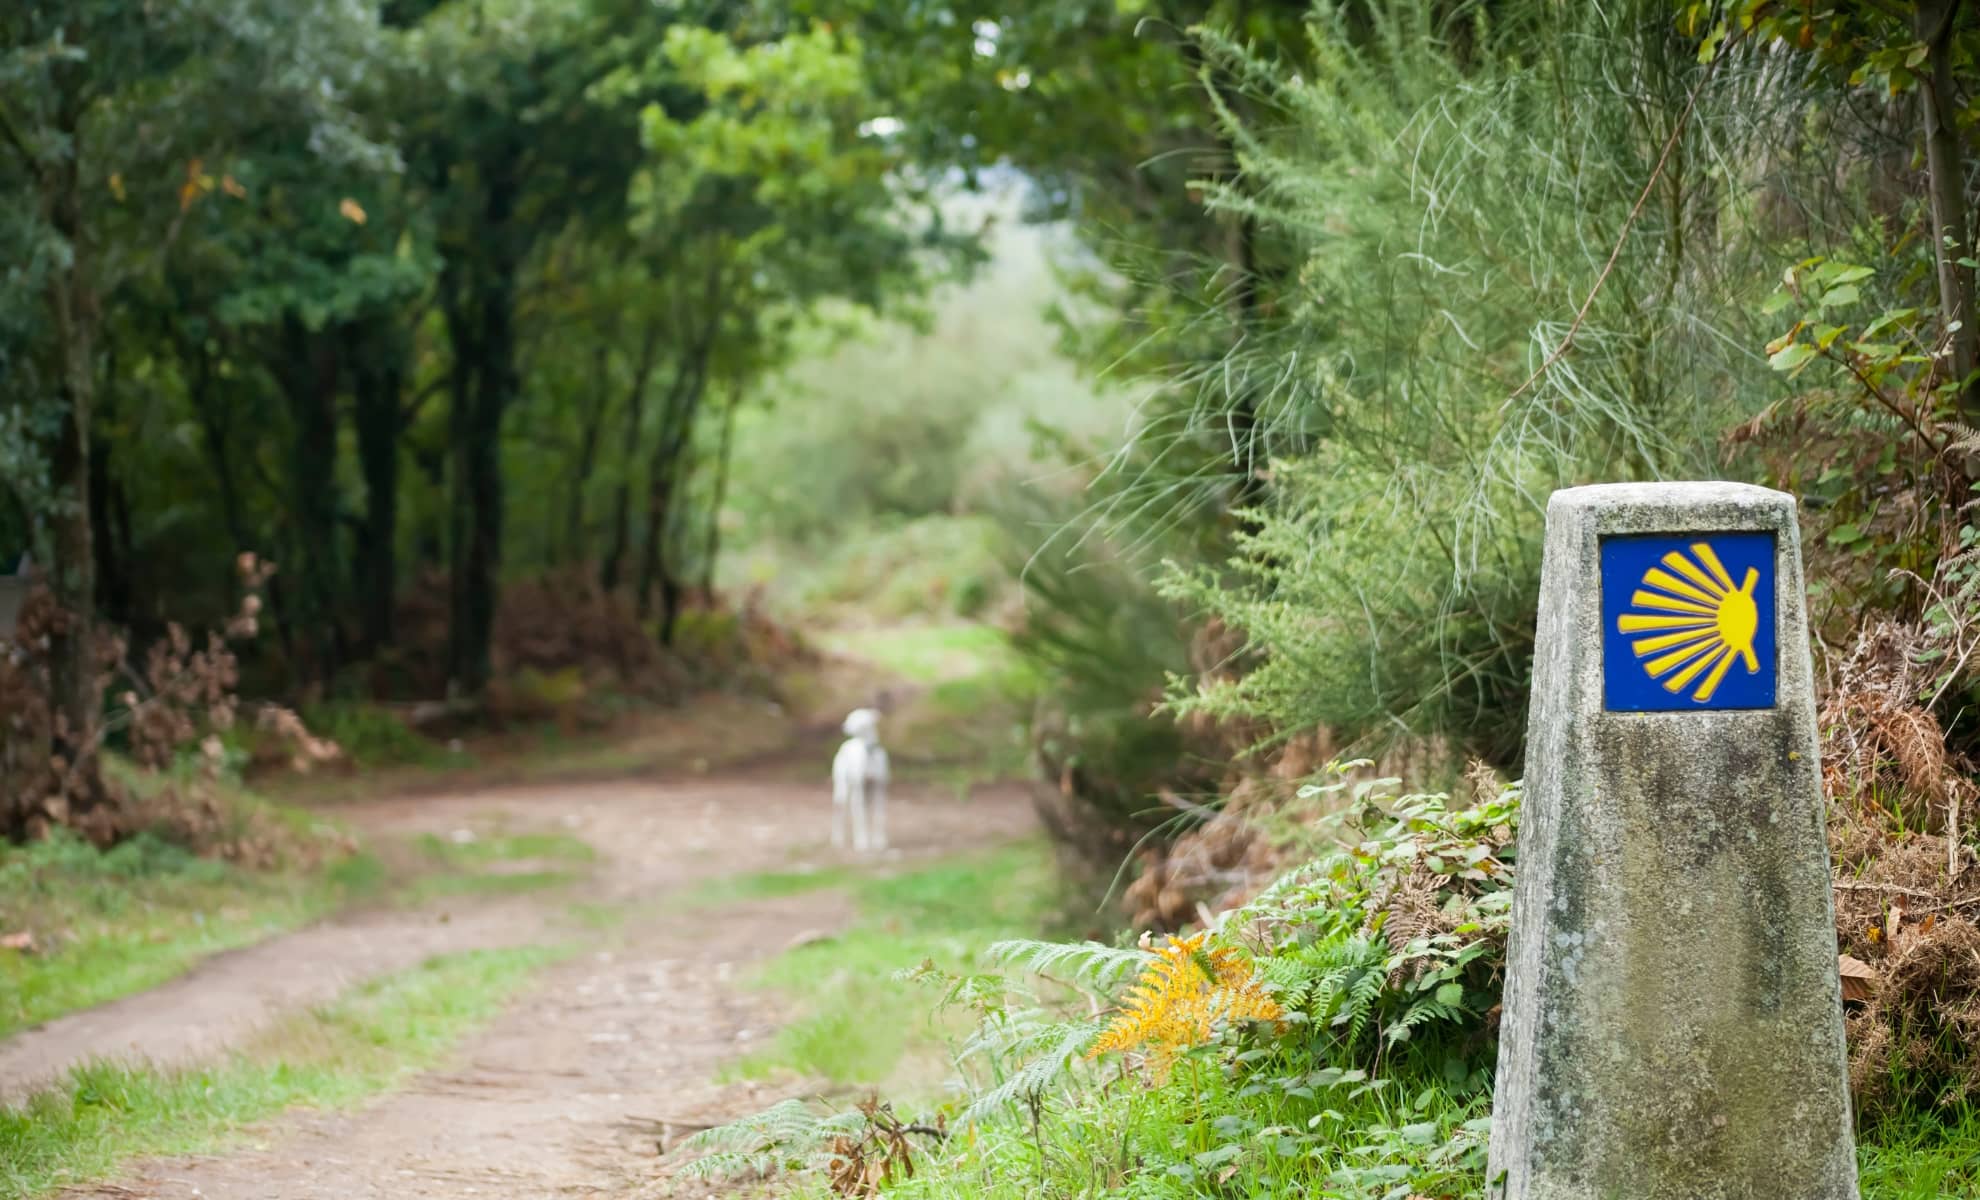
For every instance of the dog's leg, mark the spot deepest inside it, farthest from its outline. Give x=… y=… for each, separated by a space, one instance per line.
x=857 y=790
x=879 y=786
x=838 y=808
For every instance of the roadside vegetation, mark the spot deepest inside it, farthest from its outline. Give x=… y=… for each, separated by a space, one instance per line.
x=1332 y=1037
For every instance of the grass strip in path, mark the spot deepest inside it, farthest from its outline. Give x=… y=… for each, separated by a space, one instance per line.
x=853 y=1021
x=374 y=1037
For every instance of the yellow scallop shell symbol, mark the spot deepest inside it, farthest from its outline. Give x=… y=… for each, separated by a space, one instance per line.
x=1697 y=622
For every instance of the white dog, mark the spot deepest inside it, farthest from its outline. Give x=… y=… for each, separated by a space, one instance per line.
x=859 y=780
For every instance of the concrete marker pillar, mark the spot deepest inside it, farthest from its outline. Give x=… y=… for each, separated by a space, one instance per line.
x=1672 y=1027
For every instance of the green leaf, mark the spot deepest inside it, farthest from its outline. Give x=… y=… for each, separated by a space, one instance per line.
x=1887 y=320
x=1792 y=357
x=1710 y=46
x=1450 y=994
x=1836 y=297
x=1219 y=1156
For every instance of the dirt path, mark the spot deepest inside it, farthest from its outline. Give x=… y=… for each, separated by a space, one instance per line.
x=549 y=1101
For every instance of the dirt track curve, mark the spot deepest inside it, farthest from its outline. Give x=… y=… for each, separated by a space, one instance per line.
x=559 y=1096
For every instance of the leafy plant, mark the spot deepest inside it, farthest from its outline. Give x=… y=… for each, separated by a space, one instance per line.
x=787 y=1135
x=1185 y=994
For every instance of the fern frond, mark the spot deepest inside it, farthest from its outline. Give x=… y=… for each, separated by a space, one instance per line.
x=1019 y=1036
x=1161 y=1010
x=1290 y=976
x=1362 y=993
x=1423 y=1011
x=781 y=1136
x=1031 y=1081
x=1089 y=964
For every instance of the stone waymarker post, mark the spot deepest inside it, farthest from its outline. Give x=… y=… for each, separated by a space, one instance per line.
x=1673 y=1017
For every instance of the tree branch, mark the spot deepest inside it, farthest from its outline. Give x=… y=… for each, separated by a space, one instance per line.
x=1622 y=238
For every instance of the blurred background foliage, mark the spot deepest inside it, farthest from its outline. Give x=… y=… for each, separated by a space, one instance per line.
x=1219 y=354
x=1175 y=384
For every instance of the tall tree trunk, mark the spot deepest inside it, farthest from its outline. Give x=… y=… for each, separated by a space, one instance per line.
x=214 y=430
x=711 y=543
x=485 y=342
x=311 y=378
x=479 y=499
x=1933 y=21
x=615 y=550
x=671 y=450
x=109 y=519
x=594 y=421
x=659 y=494
x=377 y=354
x=609 y=574
x=671 y=592
x=71 y=552
x=72 y=558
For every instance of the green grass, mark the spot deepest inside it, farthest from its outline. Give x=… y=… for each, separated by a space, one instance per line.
x=764 y=885
x=487 y=883
x=1278 y=1129
x=853 y=1022
x=381 y=1033
x=1929 y=1157
x=370 y=737
x=928 y=654
x=598 y=918
x=1211 y=1132
x=110 y=924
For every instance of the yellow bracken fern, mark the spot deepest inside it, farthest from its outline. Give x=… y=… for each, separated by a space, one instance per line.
x=1179 y=999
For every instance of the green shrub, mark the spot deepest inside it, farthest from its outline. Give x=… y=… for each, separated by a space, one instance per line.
x=902 y=570
x=971 y=595
x=1102 y=644
x=1451 y=198
x=371 y=736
